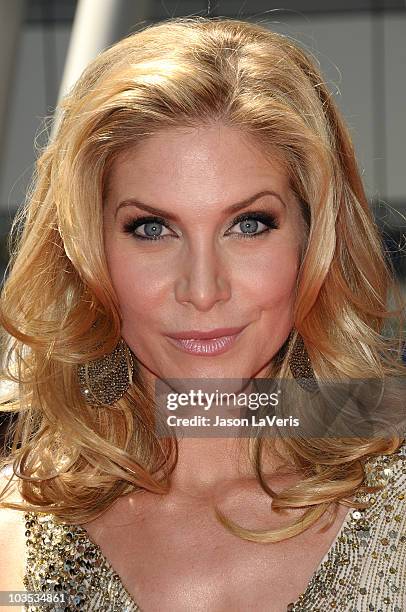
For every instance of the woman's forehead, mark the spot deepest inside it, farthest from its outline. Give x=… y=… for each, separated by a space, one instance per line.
x=177 y=156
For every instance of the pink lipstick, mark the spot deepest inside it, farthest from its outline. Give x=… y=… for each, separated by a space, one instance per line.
x=206 y=343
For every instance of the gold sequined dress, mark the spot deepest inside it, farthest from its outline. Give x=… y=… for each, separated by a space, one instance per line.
x=364 y=569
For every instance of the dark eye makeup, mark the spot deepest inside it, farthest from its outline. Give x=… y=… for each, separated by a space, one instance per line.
x=268 y=219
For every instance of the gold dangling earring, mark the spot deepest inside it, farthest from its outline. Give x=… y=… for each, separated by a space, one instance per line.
x=105 y=380
x=301 y=367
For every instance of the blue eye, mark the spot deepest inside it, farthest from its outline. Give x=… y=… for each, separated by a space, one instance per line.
x=152 y=228
x=248 y=223
x=245 y=222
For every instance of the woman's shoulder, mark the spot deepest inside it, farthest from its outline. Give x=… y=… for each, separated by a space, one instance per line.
x=390 y=471
x=390 y=467
x=380 y=535
x=10 y=515
x=12 y=538
x=387 y=506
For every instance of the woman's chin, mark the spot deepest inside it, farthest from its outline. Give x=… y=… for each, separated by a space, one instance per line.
x=226 y=380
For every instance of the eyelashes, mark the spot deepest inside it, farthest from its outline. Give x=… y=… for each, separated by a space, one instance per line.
x=267 y=219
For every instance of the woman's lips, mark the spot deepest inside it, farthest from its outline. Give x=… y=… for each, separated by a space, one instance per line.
x=209 y=347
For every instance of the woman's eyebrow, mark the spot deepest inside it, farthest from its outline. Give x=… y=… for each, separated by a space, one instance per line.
x=164 y=213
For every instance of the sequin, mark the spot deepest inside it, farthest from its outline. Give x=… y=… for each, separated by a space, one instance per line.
x=364 y=569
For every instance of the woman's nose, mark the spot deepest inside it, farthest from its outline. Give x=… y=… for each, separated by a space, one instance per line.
x=203 y=279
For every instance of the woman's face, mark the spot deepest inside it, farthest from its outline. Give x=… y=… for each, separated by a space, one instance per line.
x=205 y=269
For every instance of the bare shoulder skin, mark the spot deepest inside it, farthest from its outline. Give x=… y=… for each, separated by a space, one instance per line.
x=12 y=545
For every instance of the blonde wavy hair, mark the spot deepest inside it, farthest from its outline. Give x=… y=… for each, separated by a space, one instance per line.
x=73 y=459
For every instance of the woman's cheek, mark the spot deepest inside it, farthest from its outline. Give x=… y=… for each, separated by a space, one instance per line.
x=274 y=278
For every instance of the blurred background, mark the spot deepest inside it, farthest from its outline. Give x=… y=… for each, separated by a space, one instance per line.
x=359 y=44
